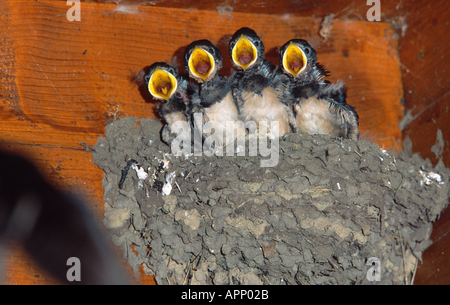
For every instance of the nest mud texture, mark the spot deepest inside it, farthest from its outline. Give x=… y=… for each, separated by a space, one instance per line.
x=315 y=218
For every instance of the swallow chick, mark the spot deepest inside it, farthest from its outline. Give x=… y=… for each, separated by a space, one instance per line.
x=164 y=84
x=257 y=86
x=212 y=97
x=319 y=106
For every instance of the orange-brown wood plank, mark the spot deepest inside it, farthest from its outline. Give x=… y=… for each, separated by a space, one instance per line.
x=343 y=9
x=426 y=75
x=426 y=80
x=71 y=170
x=62 y=80
x=69 y=74
x=19 y=269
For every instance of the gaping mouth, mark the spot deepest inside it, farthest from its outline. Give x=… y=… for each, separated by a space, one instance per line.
x=162 y=84
x=244 y=53
x=294 y=60
x=201 y=63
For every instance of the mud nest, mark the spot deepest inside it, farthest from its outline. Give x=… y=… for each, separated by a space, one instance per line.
x=317 y=217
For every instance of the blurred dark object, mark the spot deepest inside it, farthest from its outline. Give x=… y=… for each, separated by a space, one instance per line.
x=52 y=225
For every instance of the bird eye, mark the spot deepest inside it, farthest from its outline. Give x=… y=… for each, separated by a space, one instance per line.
x=307 y=51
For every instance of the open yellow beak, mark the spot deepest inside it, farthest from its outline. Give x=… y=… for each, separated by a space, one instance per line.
x=162 y=84
x=244 y=53
x=294 y=60
x=201 y=63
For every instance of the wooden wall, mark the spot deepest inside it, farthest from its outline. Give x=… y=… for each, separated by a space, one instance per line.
x=62 y=82
x=426 y=82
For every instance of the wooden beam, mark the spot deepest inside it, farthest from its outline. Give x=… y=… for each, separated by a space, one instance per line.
x=342 y=9
x=426 y=80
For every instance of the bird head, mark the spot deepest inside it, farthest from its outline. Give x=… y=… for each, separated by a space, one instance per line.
x=246 y=48
x=161 y=80
x=202 y=59
x=296 y=56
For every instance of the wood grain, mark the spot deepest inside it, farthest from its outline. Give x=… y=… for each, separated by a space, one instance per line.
x=62 y=81
x=426 y=81
x=342 y=9
x=74 y=72
x=426 y=76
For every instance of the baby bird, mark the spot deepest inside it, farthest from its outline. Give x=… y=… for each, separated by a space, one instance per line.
x=164 y=83
x=319 y=106
x=212 y=97
x=257 y=86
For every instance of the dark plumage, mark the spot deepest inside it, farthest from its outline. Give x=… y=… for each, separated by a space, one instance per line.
x=319 y=106
x=164 y=83
x=212 y=97
x=257 y=86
